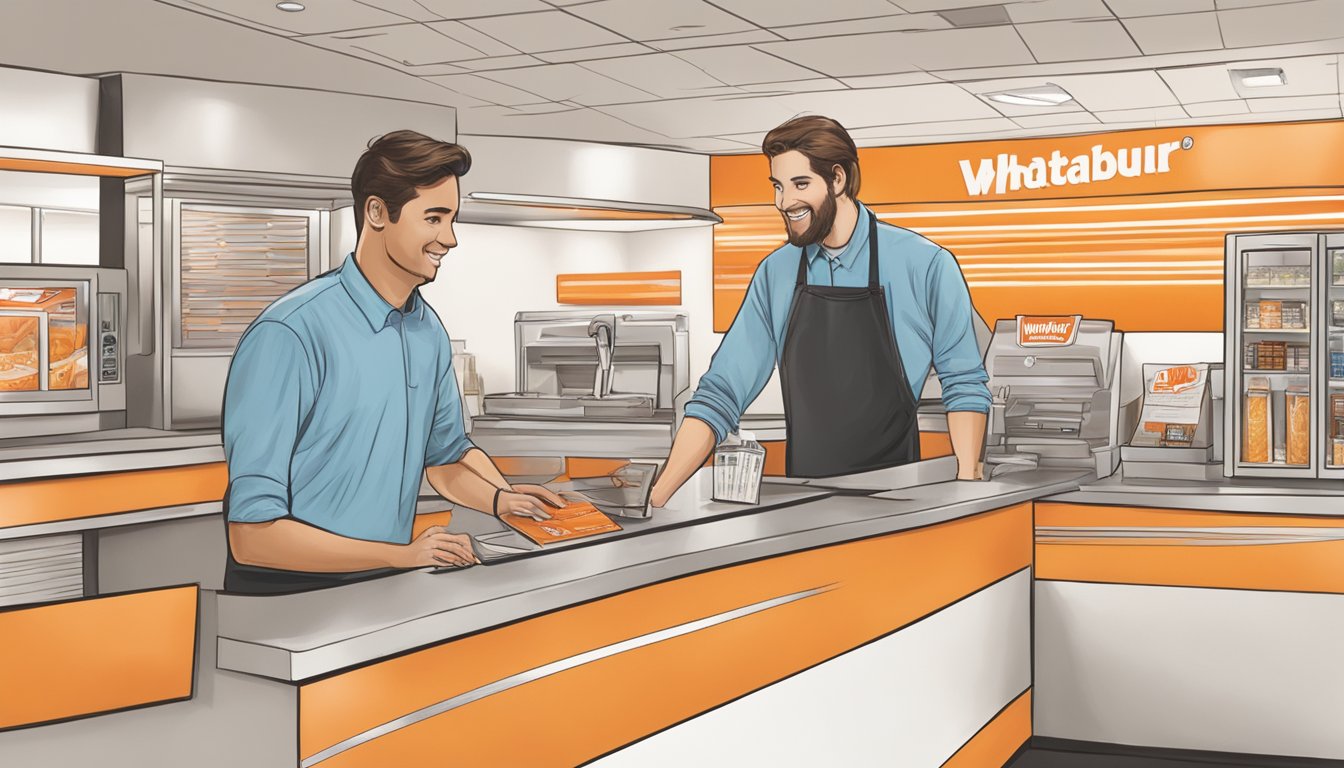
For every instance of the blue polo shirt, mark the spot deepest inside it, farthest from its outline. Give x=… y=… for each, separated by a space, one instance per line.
x=928 y=304
x=335 y=404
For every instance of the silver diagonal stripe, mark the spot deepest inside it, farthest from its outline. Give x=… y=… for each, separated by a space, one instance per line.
x=555 y=667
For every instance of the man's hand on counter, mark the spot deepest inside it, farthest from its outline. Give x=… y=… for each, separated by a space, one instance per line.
x=436 y=547
x=543 y=493
x=525 y=504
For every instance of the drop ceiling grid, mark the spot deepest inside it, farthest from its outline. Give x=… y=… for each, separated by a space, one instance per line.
x=688 y=73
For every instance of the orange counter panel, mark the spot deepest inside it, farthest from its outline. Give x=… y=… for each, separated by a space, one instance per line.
x=96 y=655
x=999 y=740
x=878 y=585
x=68 y=498
x=1181 y=559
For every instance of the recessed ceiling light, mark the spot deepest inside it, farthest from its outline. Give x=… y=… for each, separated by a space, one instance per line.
x=1048 y=95
x=289 y=5
x=1259 y=78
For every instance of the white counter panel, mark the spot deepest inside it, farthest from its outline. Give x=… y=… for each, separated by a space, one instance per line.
x=1186 y=668
x=910 y=699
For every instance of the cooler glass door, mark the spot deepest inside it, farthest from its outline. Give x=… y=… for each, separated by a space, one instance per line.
x=1272 y=394
x=1330 y=347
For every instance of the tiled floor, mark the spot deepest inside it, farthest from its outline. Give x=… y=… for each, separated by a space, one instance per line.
x=1042 y=758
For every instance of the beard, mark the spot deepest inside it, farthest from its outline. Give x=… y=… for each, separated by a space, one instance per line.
x=822 y=220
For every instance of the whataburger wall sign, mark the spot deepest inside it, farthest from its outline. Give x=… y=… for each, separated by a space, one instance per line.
x=1133 y=162
x=1007 y=172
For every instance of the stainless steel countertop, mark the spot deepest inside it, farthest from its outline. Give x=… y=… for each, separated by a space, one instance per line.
x=114 y=450
x=1250 y=495
x=296 y=637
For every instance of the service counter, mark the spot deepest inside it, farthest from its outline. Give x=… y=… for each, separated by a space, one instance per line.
x=894 y=608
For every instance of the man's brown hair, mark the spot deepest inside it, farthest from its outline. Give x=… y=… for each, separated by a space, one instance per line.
x=398 y=162
x=824 y=142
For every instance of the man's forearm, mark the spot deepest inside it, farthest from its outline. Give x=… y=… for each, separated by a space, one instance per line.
x=479 y=462
x=967 y=431
x=294 y=546
x=459 y=483
x=693 y=444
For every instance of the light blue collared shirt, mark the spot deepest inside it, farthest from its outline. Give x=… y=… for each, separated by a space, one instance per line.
x=927 y=300
x=335 y=404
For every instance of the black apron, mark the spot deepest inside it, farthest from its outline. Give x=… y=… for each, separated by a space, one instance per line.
x=848 y=406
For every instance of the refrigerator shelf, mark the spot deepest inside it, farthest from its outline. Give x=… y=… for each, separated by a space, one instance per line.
x=1276 y=330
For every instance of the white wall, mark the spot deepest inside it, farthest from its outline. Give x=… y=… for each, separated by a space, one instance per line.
x=46 y=111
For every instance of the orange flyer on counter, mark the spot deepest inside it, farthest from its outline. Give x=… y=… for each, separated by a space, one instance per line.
x=574 y=521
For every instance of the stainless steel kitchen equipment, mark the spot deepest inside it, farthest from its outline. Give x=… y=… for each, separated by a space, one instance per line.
x=591 y=384
x=1055 y=405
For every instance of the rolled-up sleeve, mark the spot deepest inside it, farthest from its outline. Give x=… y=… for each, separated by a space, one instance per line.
x=956 y=355
x=448 y=436
x=267 y=397
x=741 y=367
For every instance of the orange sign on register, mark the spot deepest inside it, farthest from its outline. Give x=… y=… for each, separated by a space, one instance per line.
x=574 y=521
x=1057 y=331
x=1176 y=379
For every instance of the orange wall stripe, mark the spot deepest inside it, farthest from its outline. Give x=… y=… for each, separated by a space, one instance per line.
x=68 y=498
x=97 y=655
x=85 y=169
x=1305 y=566
x=636 y=288
x=882 y=583
x=999 y=740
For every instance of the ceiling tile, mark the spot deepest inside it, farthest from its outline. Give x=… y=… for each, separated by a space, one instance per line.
x=919 y=6
x=772 y=13
x=891 y=81
x=411 y=10
x=711 y=41
x=795 y=86
x=1145 y=115
x=499 y=62
x=643 y=20
x=662 y=74
x=1054 y=10
x=894 y=52
x=1128 y=8
x=570 y=82
x=1077 y=40
x=740 y=65
x=934 y=128
x=1193 y=84
x=482 y=42
x=720 y=145
x=585 y=124
x=1223 y=4
x=406 y=44
x=716 y=116
x=466 y=9
x=1306 y=76
x=1172 y=34
x=478 y=87
x=1287 y=103
x=546 y=31
x=1045 y=121
x=913 y=22
x=595 y=52
x=1305 y=21
x=889 y=106
x=1213 y=108
x=1117 y=90
x=319 y=18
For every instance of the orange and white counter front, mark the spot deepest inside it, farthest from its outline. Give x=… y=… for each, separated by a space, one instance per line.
x=818 y=627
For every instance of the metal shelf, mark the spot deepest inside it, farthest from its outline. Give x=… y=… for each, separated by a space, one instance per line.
x=1276 y=330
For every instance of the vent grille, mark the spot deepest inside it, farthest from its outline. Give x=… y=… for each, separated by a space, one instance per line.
x=41 y=569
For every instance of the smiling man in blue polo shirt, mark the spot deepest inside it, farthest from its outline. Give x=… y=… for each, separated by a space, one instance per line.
x=342 y=394
x=855 y=313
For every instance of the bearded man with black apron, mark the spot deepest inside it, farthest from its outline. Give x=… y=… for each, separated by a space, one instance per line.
x=855 y=314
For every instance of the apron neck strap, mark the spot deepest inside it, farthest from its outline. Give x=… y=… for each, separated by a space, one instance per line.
x=872 y=255
x=872 y=250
